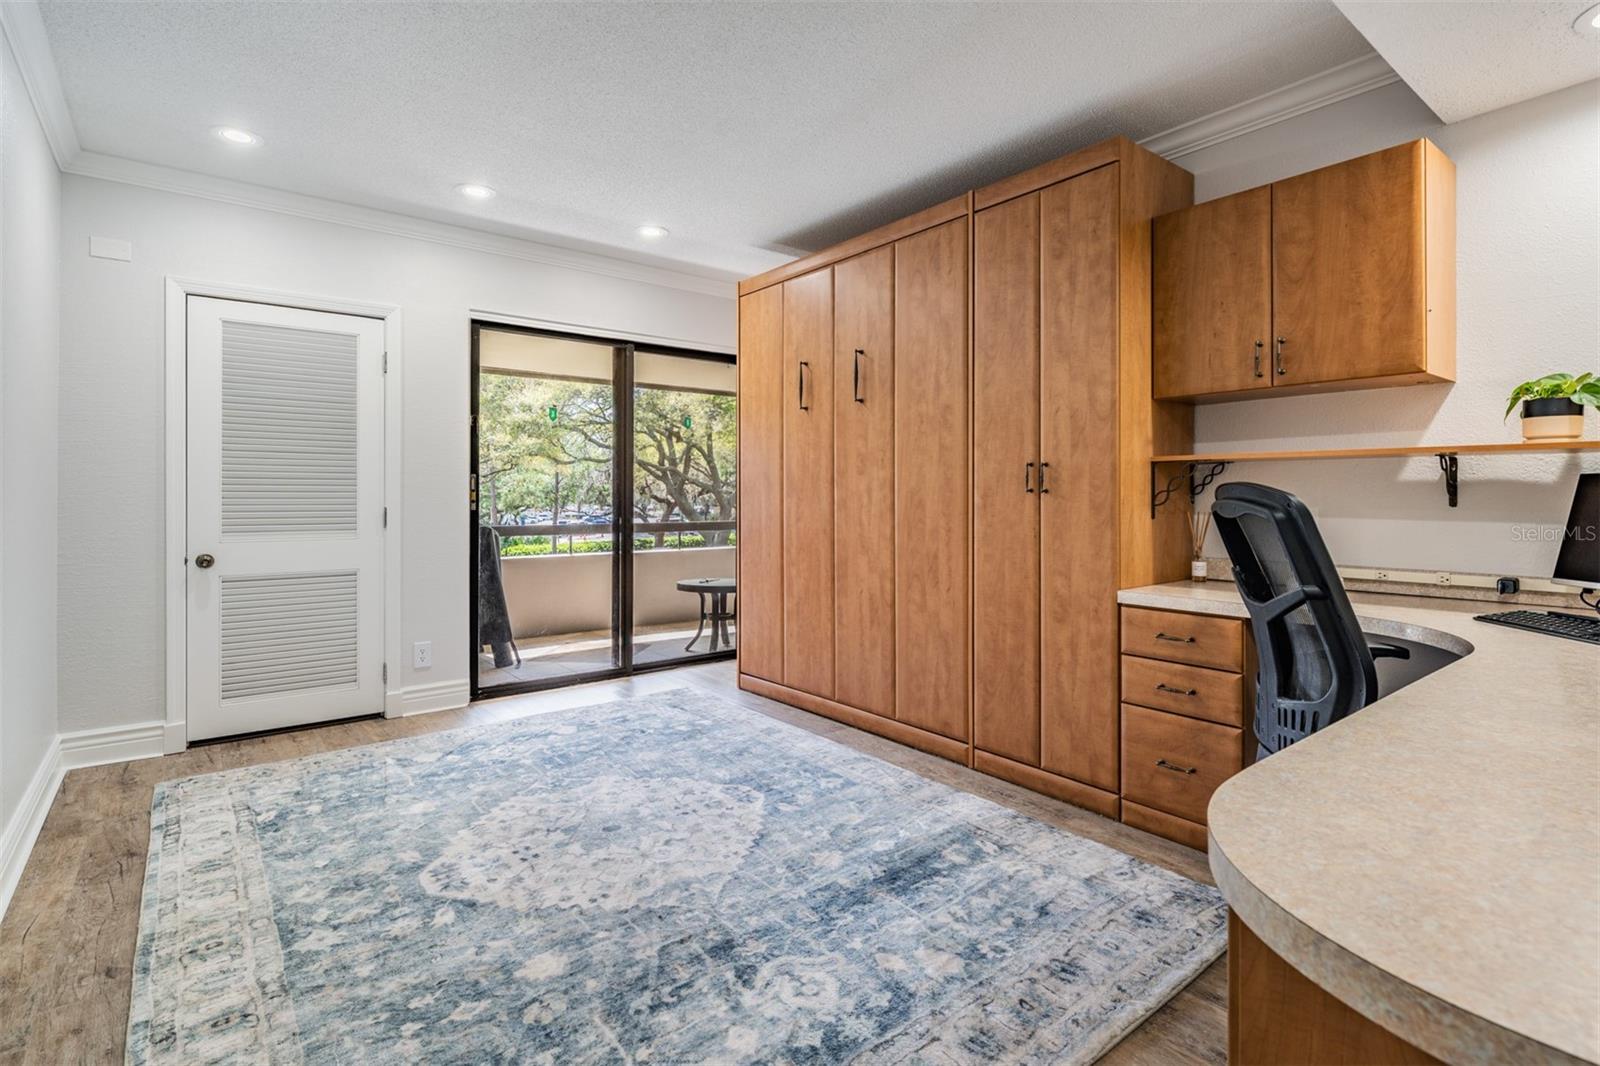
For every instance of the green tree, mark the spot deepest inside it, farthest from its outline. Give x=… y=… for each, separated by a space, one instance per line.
x=684 y=449
x=547 y=444
x=526 y=459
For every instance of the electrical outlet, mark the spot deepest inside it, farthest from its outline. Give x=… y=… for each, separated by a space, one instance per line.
x=1381 y=575
x=1444 y=577
x=422 y=654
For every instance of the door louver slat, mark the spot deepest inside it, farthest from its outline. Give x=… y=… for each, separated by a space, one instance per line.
x=287 y=633
x=288 y=431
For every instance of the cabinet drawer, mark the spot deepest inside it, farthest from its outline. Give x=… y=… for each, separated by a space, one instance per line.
x=1174 y=763
x=1199 y=639
x=1196 y=691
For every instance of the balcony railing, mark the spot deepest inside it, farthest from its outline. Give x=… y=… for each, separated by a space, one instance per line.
x=586 y=531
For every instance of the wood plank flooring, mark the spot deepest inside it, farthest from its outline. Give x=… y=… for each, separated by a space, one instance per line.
x=66 y=944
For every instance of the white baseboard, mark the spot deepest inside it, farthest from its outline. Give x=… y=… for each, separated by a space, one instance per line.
x=67 y=751
x=424 y=699
x=18 y=835
x=120 y=743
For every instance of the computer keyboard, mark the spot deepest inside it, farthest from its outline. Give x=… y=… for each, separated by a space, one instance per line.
x=1571 y=626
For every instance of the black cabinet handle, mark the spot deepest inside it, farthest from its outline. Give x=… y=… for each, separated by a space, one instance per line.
x=1165 y=765
x=855 y=384
x=1027 y=478
x=1176 y=691
x=1175 y=640
x=804 y=366
x=1277 y=356
x=1258 y=359
x=1042 y=468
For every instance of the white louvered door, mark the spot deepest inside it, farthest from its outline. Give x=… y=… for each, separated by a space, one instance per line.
x=285 y=517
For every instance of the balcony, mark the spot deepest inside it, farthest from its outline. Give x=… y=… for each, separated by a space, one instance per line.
x=558 y=590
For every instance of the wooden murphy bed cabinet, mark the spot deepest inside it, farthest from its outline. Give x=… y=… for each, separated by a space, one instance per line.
x=1339 y=278
x=861 y=423
x=972 y=386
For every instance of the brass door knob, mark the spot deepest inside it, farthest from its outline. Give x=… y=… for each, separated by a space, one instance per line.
x=205 y=562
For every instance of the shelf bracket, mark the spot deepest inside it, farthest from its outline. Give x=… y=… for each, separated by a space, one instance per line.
x=1452 y=483
x=1160 y=494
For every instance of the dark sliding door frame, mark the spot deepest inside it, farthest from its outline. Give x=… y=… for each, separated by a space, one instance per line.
x=622 y=520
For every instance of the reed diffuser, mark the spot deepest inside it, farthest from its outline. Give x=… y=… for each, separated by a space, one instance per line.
x=1199 y=525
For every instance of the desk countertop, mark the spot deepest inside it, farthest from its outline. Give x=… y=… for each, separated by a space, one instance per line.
x=1434 y=860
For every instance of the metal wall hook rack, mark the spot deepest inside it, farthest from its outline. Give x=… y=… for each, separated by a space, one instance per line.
x=1197 y=485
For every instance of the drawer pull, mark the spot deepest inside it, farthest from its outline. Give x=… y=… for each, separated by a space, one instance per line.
x=1177 y=691
x=1174 y=767
x=1175 y=640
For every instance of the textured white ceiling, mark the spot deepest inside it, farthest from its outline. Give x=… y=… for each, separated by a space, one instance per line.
x=752 y=131
x=1465 y=57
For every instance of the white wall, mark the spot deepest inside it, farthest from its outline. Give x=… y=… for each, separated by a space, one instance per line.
x=111 y=513
x=29 y=313
x=1528 y=297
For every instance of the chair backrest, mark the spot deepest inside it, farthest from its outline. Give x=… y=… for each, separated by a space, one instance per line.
x=1315 y=664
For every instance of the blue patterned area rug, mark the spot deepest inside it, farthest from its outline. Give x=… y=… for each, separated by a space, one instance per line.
x=669 y=879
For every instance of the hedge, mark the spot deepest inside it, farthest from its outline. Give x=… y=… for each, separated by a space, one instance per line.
x=517 y=546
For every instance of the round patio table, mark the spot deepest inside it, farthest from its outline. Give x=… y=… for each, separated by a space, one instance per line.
x=714 y=593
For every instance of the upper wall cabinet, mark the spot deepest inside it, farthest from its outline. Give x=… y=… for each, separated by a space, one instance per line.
x=1337 y=279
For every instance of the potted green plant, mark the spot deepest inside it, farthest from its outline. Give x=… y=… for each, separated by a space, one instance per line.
x=1551 y=405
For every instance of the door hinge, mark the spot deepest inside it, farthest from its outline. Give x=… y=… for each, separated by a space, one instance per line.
x=386 y=518
x=385 y=362
x=385 y=673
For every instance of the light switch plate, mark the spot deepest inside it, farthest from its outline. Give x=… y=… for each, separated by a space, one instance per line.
x=111 y=248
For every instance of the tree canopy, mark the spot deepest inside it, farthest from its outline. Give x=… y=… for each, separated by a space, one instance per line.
x=545 y=445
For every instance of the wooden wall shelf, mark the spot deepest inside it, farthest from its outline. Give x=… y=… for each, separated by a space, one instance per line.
x=1446 y=454
x=1510 y=448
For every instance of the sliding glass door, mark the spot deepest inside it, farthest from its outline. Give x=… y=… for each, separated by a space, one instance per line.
x=601 y=510
x=684 y=445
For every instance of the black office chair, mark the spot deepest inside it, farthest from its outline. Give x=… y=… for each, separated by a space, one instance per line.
x=1316 y=664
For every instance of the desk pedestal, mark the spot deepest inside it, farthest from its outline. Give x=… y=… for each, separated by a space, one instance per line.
x=1276 y=1016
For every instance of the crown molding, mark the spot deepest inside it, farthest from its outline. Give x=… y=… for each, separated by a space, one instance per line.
x=24 y=31
x=244 y=194
x=1338 y=83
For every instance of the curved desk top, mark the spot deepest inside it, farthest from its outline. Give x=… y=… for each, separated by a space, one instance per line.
x=1434 y=860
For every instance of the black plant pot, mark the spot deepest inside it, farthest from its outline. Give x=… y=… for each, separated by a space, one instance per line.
x=1556 y=418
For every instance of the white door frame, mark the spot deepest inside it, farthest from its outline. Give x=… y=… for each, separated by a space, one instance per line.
x=178 y=290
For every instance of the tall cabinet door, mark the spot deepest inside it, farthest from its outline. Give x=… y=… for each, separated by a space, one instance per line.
x=932 y=457
x=1078 y=366
x=761 y=484
x=863 y=487
x=1005 y=503
x=808 y=483
x=1348 y=269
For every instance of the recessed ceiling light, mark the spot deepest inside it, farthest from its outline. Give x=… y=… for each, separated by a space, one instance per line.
x=652 y=232
x=234 y=135
x=1589 y=20
x=475 y=192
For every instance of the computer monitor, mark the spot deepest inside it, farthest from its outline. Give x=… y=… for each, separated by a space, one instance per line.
x=1579 y=561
